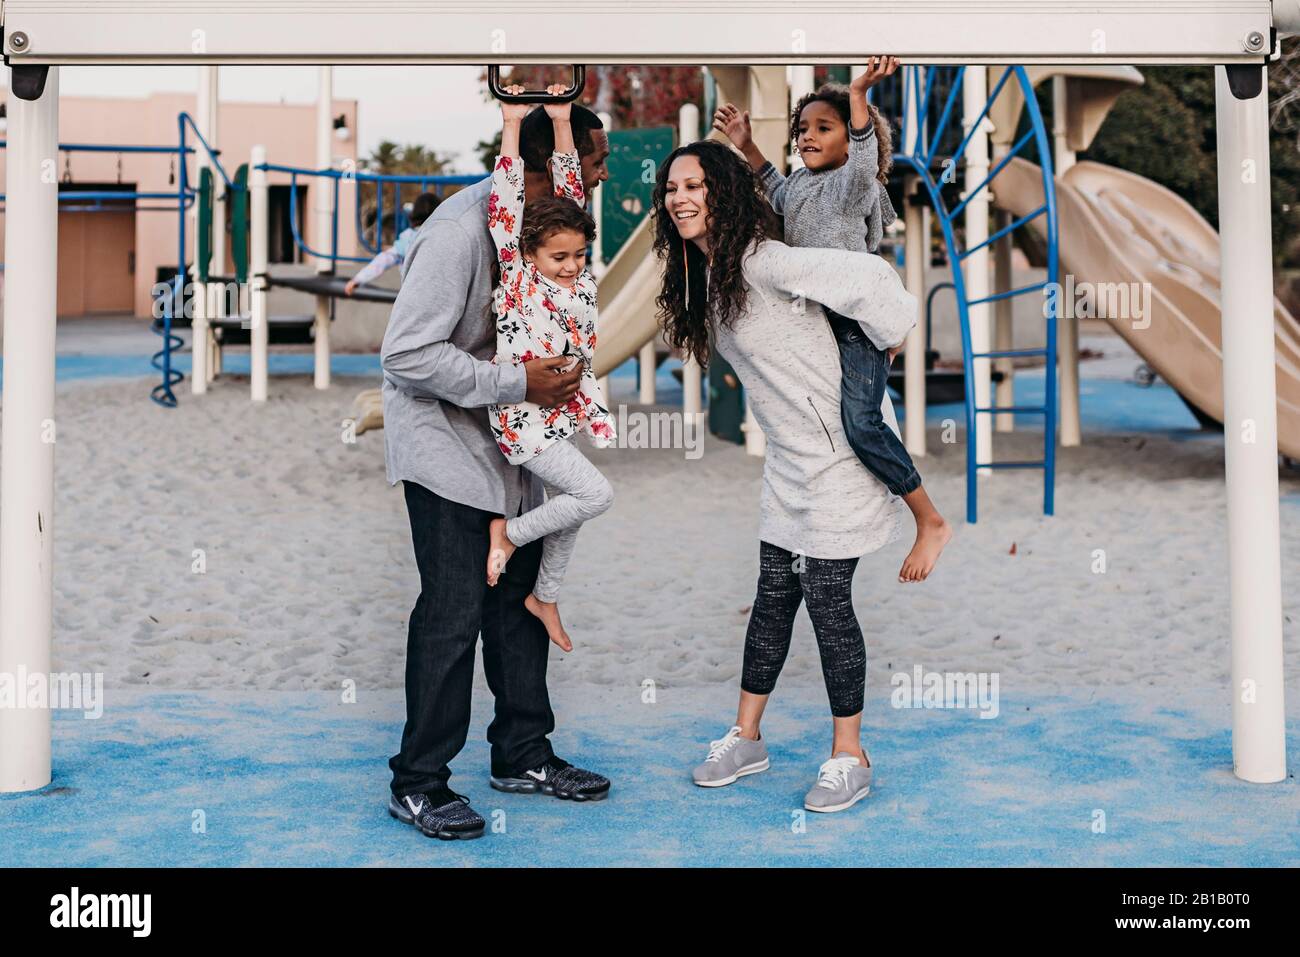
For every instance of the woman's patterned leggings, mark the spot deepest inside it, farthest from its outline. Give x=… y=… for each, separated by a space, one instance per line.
x=825 y=584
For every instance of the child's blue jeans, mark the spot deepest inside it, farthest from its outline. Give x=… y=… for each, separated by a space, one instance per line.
x=864 y=375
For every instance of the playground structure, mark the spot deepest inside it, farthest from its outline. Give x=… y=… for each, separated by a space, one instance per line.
x=247 y=198
x=180 y=200
x=1235 y=38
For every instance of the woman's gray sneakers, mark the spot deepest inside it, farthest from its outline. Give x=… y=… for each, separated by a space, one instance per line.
x=841 y=783
x=729 y=758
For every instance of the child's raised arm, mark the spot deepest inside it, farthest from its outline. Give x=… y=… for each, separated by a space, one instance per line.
x=735 y=125
x=566 y=166
x=878 y=67
x=506 y=204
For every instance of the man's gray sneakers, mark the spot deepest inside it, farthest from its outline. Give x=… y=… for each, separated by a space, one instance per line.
x=841 y=783
x=729 y=758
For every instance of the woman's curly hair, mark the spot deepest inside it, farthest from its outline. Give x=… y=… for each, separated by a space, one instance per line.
x=738 y=213
x=836 y=96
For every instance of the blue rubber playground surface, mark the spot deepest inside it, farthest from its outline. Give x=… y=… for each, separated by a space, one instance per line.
x=295 y=778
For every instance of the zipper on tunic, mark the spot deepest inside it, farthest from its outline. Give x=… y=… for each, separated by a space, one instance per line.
x=822 y=421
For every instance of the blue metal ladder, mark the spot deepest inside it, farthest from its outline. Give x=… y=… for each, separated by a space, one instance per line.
x=923 y=162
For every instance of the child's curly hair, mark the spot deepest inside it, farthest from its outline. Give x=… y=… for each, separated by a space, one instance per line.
x=548 y=215
x=543 y=218
x=836 y=95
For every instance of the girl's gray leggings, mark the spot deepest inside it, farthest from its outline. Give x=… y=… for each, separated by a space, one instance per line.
x=575 y=493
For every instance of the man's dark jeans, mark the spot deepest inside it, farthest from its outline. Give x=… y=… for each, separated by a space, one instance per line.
x=456 y=606
x=864 y=376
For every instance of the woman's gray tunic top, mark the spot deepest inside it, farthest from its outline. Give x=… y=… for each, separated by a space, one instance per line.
x=818 y=500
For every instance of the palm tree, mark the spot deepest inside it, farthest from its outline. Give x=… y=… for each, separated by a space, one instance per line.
x=389 y=158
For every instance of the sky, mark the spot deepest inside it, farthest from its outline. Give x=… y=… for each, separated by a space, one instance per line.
x=440 y=107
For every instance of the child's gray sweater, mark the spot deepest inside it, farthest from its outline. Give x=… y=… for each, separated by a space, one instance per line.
x=845 y=208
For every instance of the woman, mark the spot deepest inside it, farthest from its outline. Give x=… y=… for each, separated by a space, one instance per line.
x=726 y=279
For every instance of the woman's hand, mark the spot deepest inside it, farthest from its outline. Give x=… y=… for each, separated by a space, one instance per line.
x=350 y=287
x=735 y=125
x=514 y=112
x=893 y=352
x=557 y=111
x=878 y=67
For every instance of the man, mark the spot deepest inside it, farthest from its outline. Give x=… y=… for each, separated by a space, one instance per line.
x=438 y=380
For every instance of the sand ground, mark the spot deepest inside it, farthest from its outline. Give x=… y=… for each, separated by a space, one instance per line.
x=225 y=546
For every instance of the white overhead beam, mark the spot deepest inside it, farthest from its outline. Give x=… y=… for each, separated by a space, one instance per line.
x=141 y=32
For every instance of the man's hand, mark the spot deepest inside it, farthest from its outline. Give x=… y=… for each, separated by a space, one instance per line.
x=548 y=386
x=893 y=352
x=734 y=124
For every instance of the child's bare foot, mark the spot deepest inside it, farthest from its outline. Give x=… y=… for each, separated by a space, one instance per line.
x=549 y=613
x=931 y=537
x=500 y=548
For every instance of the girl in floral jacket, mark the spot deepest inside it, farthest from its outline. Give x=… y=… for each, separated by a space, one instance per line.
x=545 y=305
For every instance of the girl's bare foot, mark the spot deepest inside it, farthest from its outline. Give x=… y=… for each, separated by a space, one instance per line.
x=931 y=537
x=500 y=548
x=549 y=613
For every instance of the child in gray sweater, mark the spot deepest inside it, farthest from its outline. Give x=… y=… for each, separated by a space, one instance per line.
x=839 y=200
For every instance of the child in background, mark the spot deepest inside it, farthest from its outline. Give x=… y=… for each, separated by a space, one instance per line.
x=545 y=305
x=395 y=254
x=839 y=200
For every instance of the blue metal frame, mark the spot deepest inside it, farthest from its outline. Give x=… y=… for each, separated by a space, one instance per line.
x=921 y=161
x=439 y=182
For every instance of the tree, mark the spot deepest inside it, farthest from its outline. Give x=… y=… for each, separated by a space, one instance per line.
x=388 y=158
x=1165 y=130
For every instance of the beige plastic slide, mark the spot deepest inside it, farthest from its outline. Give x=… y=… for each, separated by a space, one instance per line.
x=627 y=301
x=627 y=317
x=1119 y=228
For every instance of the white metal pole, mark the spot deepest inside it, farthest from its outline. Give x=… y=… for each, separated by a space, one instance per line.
x=975 y=95
x=598 y=263
x=27 y=455
x=802 y=82
x=597 y=256
x=257 y=255
x=915 y=127
x=1250 y=431
x=916 y=251
x=1067 y=338
x=645 y=363
x=199 y=329
x=688 y=131
x=218 y=297
x=324 y=189
x=916 y=248
x=1003 y=333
